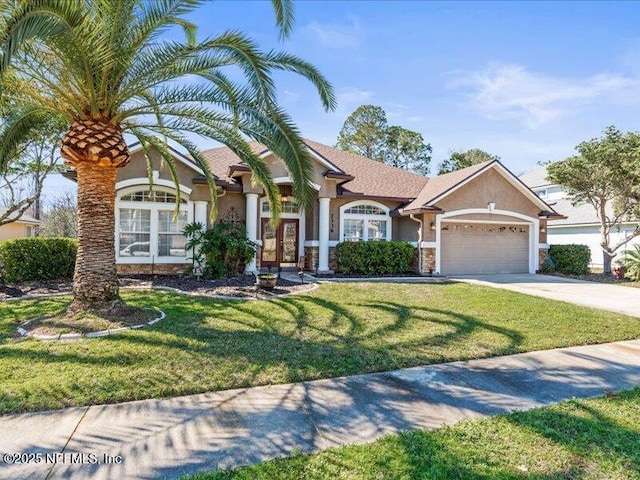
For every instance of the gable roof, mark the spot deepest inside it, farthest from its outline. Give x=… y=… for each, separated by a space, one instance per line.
x=370 y=178
x=444 y=185
x=24 y=218
x=581 y=214
x=536 y=178
x=436 y=186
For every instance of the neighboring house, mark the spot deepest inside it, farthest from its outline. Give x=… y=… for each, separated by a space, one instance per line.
x=482 y=219
x=25 y=226
x=581 y=225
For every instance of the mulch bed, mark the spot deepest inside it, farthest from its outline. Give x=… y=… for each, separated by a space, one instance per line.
x=597 y=277
x=241 y=286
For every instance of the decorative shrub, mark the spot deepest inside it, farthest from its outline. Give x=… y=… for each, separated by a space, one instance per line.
x=39 y=259
x=374 y=258
x=631 y=263
x=225 y=249
x=570 y=259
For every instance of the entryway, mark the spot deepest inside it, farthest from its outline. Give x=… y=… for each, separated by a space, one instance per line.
x=280 y=244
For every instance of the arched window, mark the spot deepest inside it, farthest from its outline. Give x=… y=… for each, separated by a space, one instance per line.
x=364 y=221
x=148 y=227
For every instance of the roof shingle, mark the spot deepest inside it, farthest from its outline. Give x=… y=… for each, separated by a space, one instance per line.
x=442 y=183
x=371 y=178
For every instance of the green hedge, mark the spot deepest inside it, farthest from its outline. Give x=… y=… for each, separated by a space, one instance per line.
x=570 y=259
x=28 y=259
x=374 y=258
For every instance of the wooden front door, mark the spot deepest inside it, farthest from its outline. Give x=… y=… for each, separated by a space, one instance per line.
x=279 y=245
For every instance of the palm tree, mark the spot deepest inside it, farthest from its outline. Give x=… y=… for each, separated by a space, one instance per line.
x=102 y=67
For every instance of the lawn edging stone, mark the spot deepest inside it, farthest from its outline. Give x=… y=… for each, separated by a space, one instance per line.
x=77 y=336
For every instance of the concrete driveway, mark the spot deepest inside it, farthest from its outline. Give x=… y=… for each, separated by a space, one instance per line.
x=603 y=296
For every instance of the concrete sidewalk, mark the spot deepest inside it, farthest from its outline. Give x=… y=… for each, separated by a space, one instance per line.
x=167 y=438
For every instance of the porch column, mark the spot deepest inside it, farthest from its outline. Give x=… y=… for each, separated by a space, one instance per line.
x=323 y=230
x=252 y=226
x=200 y=213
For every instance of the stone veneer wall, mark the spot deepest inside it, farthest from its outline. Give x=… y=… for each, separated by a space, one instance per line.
x=543 y=254
x=428 y=259
x=149 y=269
x=310 y=258
x=311 y=255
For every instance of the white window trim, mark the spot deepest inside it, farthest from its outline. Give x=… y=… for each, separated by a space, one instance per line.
x=362 y=216
x=534 y=260
x=155 y=227
x=282 y=215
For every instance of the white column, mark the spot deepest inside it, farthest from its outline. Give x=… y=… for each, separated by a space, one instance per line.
x=302 y=225
x=200 y=213
x=252 y=226
x=323 y=228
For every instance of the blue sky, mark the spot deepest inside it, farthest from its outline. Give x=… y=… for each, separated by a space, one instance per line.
x=524 y=80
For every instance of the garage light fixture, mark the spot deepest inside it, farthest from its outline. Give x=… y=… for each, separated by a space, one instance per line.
x=491 y=206
x=433 y=226
x=543 y=229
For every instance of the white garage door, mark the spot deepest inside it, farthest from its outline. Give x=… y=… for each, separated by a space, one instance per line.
x=484 y=248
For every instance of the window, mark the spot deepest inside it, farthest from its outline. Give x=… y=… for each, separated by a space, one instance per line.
x=29 y=231
x=288 y=206
x=366 y=210
x=148 y=227
x=365 y=222
x=135 y=232
x=154 y=196
x=171 y=242
x=541 y=193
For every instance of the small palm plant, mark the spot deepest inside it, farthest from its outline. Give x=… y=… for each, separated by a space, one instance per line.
x=631 y=262
x=103 y=68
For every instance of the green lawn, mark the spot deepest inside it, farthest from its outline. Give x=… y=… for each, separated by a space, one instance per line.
x=586 y=439
x=339 y=329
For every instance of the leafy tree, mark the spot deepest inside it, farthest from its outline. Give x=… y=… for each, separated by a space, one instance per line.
x=364 y=132
x=31 y=161
x=606 y=175
x=406 y=149
x=60 y=218
x=103 y=68
x=367 y=133
x=460 y=160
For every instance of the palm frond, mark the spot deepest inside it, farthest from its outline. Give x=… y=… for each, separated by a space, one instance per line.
x=284 y=16
x=18 y=127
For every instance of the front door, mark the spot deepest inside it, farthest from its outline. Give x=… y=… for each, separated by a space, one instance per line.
x=279 y=245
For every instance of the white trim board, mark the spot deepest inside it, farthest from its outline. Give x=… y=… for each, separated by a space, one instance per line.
x=144 y=181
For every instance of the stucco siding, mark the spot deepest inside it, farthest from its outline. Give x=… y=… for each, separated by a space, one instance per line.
x=137 y=168
x=489 y=187
x=405 y=229
x=231 y=208
x=13 y=230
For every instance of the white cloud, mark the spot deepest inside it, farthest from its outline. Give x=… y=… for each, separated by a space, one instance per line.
x=502 y=91
x=351 y=97
x=334 y=35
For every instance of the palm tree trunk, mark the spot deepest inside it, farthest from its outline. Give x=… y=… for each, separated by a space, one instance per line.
x=95 y=281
